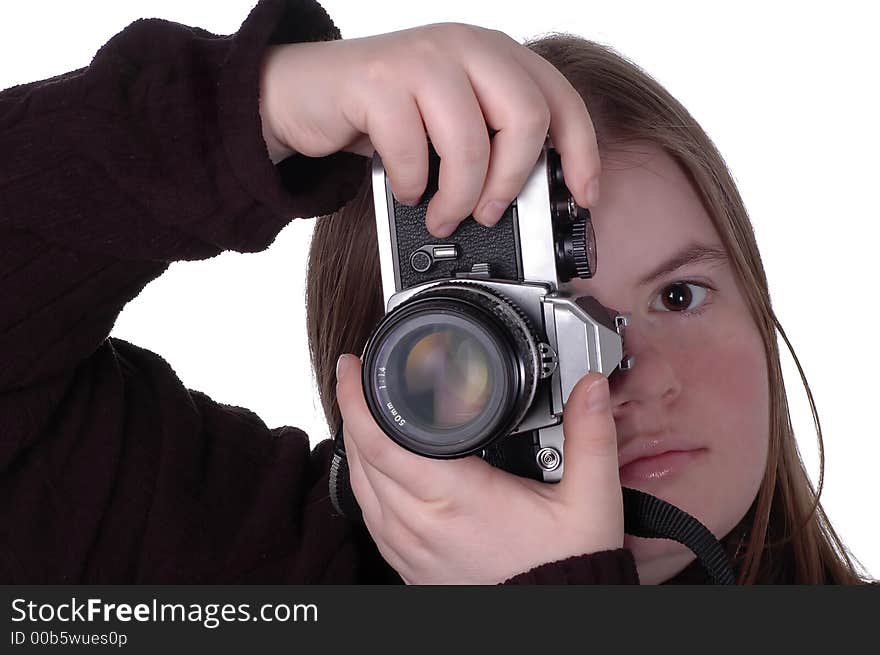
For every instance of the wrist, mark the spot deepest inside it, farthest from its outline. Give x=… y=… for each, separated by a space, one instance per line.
x=277 y=150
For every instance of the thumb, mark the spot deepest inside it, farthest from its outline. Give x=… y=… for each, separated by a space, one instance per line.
x=590 y=443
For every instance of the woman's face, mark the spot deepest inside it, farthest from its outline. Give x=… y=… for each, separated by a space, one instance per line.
x=699 y=383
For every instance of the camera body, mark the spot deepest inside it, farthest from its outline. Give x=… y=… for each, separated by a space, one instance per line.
x=481 y=345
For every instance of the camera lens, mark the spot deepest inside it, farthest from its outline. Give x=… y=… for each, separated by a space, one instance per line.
x=441 y=379
x=448 y=372
x=446 y=376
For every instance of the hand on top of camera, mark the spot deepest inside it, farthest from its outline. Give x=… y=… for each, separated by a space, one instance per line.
x=383 y=93
x=463 y=521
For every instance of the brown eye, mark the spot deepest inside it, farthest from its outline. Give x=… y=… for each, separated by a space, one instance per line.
x=680 y=297
x=677 y=297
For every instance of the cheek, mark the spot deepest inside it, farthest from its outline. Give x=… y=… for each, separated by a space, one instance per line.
x=726 y=374
x=725 y=398
x=723 y=405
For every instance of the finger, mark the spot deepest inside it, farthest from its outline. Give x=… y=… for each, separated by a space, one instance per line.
x=401 y=515
x=458 y=132
x=387 y=496
x=371 y=508
x=426 y=479
x=521 y=130
x=590 y=444
x=398 y=135
x=571 y=128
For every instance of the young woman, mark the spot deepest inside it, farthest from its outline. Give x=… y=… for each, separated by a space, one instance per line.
x=679 y=254
x=176 y=144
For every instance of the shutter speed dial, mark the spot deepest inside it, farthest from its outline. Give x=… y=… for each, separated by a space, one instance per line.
x=573 y=233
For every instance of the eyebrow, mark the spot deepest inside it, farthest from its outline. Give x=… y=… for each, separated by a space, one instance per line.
x=691 y=254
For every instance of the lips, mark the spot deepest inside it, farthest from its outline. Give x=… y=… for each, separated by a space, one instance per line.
x=652 y=457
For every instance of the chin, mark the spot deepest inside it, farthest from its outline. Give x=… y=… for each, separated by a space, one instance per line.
x=657 y=560
x=645 y=550
x=661 y=559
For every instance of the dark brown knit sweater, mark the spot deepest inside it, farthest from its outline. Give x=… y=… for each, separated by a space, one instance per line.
x=110 y=470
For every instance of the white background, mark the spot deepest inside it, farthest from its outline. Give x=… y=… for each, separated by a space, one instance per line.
x=788 y=92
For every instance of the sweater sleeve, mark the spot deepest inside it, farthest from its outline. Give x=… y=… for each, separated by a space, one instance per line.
x=110 y=470
x=605 y=567
x=151 y=154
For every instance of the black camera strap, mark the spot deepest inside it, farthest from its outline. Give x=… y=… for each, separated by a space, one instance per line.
x=644 y=515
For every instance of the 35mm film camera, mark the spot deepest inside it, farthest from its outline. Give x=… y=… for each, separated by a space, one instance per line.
x=480 y=347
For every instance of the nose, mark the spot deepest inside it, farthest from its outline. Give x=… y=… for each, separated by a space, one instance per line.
x=653 y=379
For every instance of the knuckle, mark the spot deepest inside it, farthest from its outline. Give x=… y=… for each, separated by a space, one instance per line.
x=404 y=538
x=474 y=152
x=441 y=508
x=505 y=184
x=425 y=44
x=371 y=450
x=535 y=120
x=577 y=100
x=436 y=512
x=378 y=71
x=460 y=31
x=503 y=36
x=404 y=160
x=433 y=41
x=575 y=103
x=390 y=531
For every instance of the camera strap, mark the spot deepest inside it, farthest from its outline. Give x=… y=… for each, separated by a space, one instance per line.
x=644 y=515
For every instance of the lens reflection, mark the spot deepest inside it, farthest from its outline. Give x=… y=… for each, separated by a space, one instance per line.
x=446 y=378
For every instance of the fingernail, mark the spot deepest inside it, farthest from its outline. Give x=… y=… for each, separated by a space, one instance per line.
x=343 y=364
x=598 y=396
x=445 y=230
x=491 y=212
x=593 y=192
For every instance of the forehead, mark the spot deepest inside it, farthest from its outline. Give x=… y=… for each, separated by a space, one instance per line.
x=647 y=211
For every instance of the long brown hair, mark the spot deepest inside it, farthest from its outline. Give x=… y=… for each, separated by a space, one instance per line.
x=786 y=536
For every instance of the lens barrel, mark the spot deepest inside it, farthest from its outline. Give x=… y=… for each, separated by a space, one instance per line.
x=451 y=370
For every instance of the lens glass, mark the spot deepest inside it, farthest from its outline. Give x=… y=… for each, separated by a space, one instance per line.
x=443 y=380
x=446 y=377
